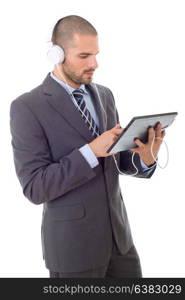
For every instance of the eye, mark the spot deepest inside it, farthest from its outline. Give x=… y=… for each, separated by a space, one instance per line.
x=83 y=56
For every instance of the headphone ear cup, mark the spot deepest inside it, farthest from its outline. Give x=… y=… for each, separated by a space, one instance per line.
x=56 y=54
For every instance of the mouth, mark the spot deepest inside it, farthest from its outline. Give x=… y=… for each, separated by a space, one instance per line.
x=89 y=73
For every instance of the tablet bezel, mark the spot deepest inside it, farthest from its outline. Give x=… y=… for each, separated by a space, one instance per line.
x=140 y=117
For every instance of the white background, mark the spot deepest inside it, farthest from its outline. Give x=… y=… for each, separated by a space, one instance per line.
x=142 y=60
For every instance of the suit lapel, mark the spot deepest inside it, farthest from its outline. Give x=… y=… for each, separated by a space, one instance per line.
x=98 y=103
x=60 y=100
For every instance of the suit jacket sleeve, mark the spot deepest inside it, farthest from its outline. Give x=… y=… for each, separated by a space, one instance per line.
x=42 y=179
x=125 y=159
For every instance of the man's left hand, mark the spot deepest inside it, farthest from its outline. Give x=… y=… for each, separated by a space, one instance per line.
x=144 y=150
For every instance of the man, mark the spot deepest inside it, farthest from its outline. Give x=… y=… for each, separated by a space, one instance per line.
x=61 y=131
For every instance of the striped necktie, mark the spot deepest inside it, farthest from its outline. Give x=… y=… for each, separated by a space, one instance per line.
x=82 y=107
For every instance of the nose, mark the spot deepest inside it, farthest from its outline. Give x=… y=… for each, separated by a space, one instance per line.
x=93 y=63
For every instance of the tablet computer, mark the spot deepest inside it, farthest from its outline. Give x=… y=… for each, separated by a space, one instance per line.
x=138 y=128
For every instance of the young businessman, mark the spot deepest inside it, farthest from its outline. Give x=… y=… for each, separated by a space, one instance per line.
x=61 y=131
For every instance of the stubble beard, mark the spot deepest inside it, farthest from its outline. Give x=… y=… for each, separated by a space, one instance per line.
x=77 y=79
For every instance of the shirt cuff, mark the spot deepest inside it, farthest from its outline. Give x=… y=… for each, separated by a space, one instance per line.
x=145 y=167
x=89 y=155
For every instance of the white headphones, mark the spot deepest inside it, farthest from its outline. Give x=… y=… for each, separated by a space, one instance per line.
x=56 y=54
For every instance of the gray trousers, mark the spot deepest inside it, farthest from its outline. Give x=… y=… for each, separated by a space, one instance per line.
x=127 y=265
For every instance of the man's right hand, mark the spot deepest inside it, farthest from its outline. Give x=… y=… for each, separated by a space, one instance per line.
x=102 y=143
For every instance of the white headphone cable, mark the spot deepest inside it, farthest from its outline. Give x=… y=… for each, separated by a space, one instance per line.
x=167 y=151
x=133 y=154
x=155 y=159
x=120 y=172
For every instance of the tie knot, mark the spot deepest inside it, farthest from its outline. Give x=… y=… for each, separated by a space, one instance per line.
x=78 y=94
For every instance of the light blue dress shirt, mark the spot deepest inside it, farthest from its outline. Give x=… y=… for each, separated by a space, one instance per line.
x=86 y=150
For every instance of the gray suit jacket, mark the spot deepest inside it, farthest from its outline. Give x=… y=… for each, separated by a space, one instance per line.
x=83 y=208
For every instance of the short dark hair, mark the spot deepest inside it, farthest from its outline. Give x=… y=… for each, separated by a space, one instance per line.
x=66 y=27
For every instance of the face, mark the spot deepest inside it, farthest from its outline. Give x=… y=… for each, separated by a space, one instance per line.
x=80 y=60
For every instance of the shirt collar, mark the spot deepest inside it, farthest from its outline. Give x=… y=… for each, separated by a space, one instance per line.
x=68 y=88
